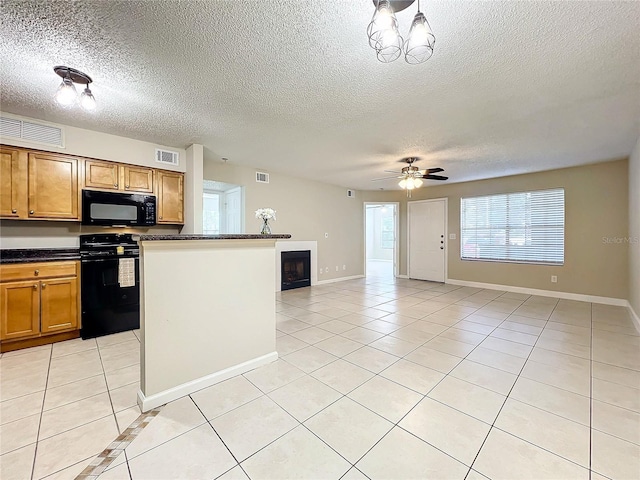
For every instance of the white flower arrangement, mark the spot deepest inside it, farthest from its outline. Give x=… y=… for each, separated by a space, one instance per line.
x=266 y=214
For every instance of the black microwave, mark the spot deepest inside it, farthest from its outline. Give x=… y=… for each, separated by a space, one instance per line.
x=118 y=209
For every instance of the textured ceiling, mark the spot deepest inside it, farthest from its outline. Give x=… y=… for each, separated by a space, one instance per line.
x=292 y=85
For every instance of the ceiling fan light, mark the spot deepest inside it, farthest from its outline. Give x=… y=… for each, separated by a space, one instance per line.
x=411 y=183
x=419 y=45
x=403 y=183
x=417 y=182
x=87 y=100
x=66 y=94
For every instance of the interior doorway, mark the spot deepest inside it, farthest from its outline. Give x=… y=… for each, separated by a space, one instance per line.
x=222 y=208
x=381 y=234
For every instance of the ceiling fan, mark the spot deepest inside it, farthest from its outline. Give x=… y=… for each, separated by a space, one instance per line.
x=411 y=176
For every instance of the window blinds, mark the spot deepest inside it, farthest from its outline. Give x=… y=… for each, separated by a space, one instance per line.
x=514 y=227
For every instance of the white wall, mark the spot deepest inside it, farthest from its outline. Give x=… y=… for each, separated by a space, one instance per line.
x=634 y=229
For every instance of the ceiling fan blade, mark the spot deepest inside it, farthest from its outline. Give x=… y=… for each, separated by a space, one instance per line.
x=383 y=178
x=435 y=177
x=392 y=171
x=434 y=170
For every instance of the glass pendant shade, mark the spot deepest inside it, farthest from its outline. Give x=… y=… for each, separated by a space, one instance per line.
x=411 y=184
x=87 y=100
x=66 y=94
x=403 y=183
x=383 y=33
x=417 y=182
x=419 y=45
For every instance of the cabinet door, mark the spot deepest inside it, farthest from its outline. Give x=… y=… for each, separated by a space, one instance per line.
x=20 y=313
x=13 y=183
x=53 y=186
x=101 y=175
x=138 y=179
x=59 y=305
x=170 y=197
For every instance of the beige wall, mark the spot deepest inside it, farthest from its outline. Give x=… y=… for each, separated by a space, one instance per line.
x=634 y=229
x=596 y=209
x=305 y=209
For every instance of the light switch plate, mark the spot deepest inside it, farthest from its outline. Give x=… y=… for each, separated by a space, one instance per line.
x=452 y=236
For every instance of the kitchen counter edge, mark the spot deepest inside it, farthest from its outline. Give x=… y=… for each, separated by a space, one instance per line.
x=36 y=255
x=227 y=236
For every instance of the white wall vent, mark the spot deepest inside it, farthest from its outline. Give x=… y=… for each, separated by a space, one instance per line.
x=167 y=156
x=351 y=193
x=31 y=131
x=262 y=177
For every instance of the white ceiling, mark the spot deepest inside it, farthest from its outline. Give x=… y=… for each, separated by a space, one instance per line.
x=292 y=85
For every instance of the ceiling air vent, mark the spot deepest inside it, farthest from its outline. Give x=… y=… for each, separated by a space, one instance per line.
x=167 y=156
x=262 y=177
x=31 y=131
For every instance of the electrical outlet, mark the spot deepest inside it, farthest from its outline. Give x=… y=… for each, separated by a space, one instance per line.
x=320 y=271
x=344 y=267
x=554 y=279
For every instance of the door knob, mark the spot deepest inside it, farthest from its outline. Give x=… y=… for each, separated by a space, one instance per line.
x=441 y=236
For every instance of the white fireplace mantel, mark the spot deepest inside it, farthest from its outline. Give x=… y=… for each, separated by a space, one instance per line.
x=292 y=246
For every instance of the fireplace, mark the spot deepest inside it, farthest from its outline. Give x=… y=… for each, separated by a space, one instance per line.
x=296 y=269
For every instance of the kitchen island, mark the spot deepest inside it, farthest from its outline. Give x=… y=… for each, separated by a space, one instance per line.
x=207 y=311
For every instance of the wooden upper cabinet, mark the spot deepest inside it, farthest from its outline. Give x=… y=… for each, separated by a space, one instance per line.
x=53 y=186
x=170 y=197
x=20 y=312
x=103 y=175
x=137 y=179
x=13 y=183
x=59 y=305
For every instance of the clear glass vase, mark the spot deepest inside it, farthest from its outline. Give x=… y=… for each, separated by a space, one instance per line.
x=266 y=229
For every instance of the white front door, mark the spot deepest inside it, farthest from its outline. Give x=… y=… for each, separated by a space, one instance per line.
x=427 y=246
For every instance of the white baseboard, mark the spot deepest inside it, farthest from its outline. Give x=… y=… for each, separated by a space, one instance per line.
x=339 y=279
x=634 y=316
x=544 y=293
x=166 y=396
x=403 y=276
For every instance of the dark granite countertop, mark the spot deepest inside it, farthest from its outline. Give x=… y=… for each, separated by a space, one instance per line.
x=226 y=236
x=32 y=255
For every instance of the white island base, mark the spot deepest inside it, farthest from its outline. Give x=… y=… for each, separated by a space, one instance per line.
x=207 y=312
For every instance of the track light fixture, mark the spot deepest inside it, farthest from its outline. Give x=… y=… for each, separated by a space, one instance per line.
x=67 y=94
x=384 y=35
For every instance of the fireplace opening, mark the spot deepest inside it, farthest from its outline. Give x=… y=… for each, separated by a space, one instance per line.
x=296 y=269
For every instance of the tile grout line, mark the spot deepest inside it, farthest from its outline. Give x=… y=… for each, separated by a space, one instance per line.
x=44 y=397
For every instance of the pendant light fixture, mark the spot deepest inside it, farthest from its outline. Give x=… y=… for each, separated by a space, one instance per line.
x=67 y=94
x=385 y=39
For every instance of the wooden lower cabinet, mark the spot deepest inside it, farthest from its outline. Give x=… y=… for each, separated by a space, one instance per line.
x=39 y=300
x=20 y=316
x=58 y=305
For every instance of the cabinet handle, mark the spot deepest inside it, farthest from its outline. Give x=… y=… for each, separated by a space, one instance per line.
x=126 y=186
x=160 y=217
x=36 y=273
x=14 y=211
x=44 y=285
x=31 y=212
x=35 y=287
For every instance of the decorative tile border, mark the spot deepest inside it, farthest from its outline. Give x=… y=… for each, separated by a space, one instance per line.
x=115 y=448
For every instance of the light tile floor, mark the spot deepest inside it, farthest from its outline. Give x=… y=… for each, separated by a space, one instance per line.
x=398 y=379
x=62 y=404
